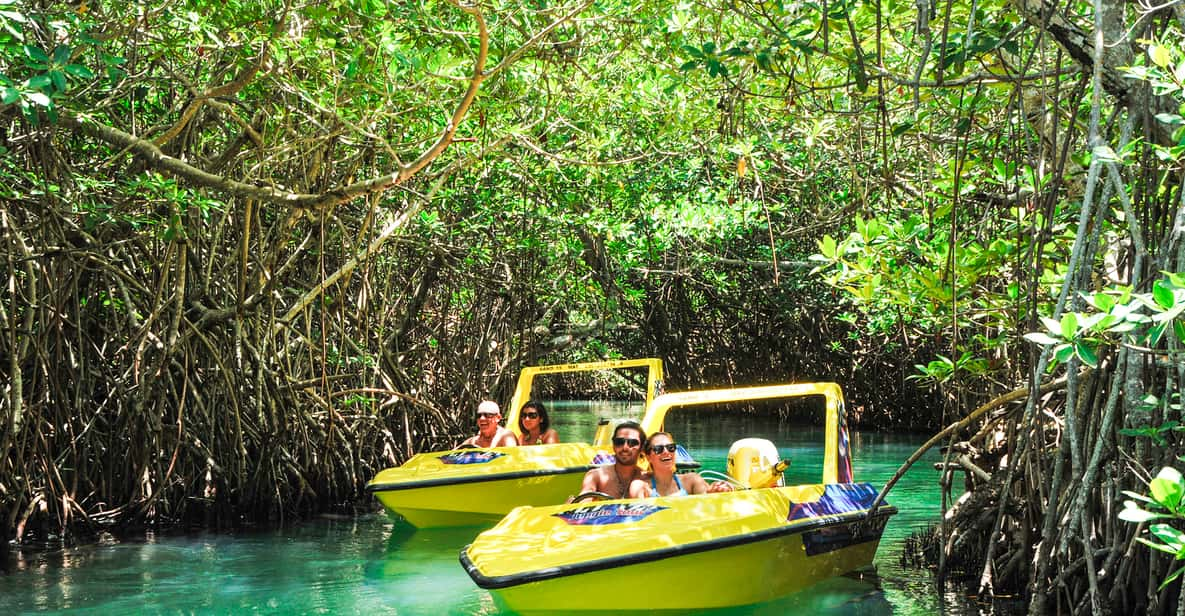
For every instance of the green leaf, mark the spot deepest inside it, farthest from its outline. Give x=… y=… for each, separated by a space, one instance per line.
x=1105 y=154
x=1154 y=334
x=61 y=54
x=1169 y=314
x=1159 y=55
x=1102 y=301
x=1137 y=496
x=1174 y=575
x=13 y=15
x=1133 y=513
x=79 y=71
x=1167 y=488
x=1069 y=325
x=9 y=96
x=1170 y=474
x=1093 y=320
x=1163 y=294
x=1087 y=354
x=36 y=54
x=1041 y=339
x=1063 y=353
x=1051 y=326
x=1171 y=119
x=1172 y=538
x=1157 y=546
x=827 y=247
x=38 y=98
x=59 y=80
x=40 y=82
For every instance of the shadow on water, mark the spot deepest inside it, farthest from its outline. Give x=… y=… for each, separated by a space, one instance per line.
x=419 y=573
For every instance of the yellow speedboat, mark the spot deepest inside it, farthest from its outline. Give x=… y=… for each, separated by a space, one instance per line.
x=464 y=487
x=690 y=552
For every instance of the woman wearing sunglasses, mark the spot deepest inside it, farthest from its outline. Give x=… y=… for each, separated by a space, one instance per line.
x=534 y=426
x=661 y=480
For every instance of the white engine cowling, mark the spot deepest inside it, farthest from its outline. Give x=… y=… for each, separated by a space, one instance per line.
x=754 y=462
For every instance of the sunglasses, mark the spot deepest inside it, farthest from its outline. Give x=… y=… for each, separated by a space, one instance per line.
x=486 y=415
x=670 y=447
x=531 y=415
x=618 y=441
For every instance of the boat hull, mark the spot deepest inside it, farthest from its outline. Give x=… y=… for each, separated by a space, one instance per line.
x=471 y=487
x=478 y=503
x=750 y=548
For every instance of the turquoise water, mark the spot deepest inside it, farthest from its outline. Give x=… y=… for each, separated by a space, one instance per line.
x=372 y=565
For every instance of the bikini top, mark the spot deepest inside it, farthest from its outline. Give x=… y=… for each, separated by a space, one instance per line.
x=654 y=487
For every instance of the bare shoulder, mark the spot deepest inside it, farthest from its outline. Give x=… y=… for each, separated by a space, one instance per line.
x=593 y=479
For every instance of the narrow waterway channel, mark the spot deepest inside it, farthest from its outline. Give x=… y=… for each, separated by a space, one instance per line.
x=371 y=565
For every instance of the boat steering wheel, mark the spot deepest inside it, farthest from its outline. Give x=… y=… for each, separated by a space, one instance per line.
x=593 y=494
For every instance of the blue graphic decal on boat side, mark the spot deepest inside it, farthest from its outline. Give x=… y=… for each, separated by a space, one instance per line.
x=602 y=458
x=836 y=498
x=831 y=538
x=612 y=513
x=470 y=457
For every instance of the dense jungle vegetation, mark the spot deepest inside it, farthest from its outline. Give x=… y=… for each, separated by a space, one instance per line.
x=256 y=251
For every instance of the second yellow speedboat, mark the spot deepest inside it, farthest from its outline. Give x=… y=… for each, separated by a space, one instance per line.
x=469 y=487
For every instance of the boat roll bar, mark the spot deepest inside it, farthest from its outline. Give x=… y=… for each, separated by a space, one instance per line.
x=837 y=460
x=522 y=393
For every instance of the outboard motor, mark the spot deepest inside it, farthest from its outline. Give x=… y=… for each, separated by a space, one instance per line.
x=754 y=462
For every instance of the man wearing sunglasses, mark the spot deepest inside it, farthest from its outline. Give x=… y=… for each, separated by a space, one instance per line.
x=615 y=480
x=489 y=433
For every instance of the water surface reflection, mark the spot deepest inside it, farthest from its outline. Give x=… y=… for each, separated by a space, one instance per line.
x=371 y=565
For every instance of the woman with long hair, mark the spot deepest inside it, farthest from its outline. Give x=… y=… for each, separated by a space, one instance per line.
x=661 y=480
x=534 y=426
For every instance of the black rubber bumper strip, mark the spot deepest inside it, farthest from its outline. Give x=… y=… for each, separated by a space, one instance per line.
x=505 y=581
x=371 y=488
x=448 y=481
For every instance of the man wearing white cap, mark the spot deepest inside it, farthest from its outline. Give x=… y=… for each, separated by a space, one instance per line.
x=489 y=433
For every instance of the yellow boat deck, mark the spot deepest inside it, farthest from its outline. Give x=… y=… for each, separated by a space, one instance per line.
x=719 y=550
